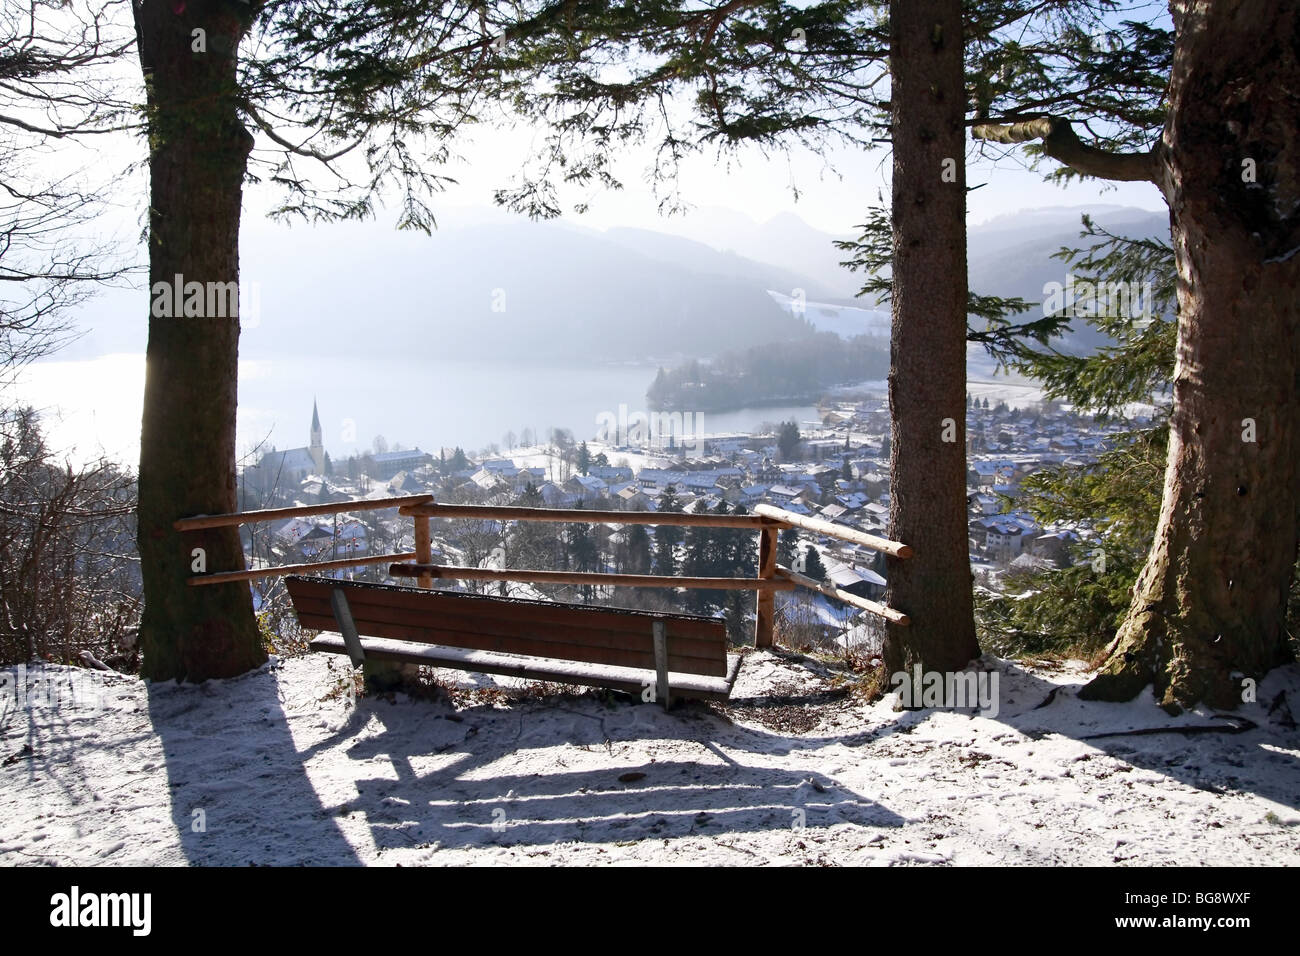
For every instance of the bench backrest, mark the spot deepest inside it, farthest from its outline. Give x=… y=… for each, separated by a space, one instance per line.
x=573 y=632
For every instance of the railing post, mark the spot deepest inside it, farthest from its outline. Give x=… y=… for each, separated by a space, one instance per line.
x=410 y=673
x=662 y=689
x=423 y=548
x=392 y=675
x=766 y=604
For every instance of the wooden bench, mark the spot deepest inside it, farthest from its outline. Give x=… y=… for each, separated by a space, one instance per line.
x=678 y=655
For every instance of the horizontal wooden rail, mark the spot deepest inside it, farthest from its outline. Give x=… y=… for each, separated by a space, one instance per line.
x=821 y=526
x=223 y=577
x=584 y=577
x=199 y=522
x=766 y=518
x=829 y=589
x=580 y=515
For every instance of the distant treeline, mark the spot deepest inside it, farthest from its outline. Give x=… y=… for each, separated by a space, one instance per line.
x=779 y=372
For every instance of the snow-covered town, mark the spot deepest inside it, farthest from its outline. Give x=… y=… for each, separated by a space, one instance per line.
x=835 y=469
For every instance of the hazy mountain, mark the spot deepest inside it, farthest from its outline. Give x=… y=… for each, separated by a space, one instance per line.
x=501 y=287
x=698 y=256
x=1051 y=221
x=1012 y=255
x=1009 y=255
x=784 y=240
x=545 y=291
x=514 y=289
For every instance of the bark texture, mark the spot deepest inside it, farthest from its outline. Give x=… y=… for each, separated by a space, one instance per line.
x=198 y=153
x=1209 y=607
x=927 y=378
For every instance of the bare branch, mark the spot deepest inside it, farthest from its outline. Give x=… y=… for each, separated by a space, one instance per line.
x=1062 y=144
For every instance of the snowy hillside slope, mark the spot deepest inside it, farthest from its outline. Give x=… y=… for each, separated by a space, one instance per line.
x=282 y=766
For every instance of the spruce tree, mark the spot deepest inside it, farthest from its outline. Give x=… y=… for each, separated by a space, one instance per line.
x=813 y=566
x=786 y=543
x=667 y=537
x=699 y=545
x=638 y=549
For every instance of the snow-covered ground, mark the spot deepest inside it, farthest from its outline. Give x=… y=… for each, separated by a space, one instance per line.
x=283 y=766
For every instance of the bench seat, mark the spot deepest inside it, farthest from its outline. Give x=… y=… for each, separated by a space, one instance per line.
x=535 y=640
x=630 y=679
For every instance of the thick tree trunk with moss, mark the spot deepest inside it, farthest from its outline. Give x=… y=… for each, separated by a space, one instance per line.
x=198 y=155
x=927 y=378
x=1209 y=607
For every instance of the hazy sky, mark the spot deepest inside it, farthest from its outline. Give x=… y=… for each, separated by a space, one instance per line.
x=833 y=192
x=833 y=196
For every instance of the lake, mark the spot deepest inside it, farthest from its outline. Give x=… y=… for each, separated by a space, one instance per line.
x=93 y=405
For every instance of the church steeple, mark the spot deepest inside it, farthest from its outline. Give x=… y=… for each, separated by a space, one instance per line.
x=317 y=449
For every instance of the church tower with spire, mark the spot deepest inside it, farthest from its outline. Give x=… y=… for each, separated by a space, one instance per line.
x=317 y=449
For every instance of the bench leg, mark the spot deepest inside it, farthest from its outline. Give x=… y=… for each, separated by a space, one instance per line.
x=662 y=691
x=384 y=676
x=380 y=676
x=347 y=627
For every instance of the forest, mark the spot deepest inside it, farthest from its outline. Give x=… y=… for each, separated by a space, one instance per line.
x=802 y=371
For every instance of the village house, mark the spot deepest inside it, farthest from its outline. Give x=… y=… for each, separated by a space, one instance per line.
x=320 y=539
x=586 y=488
x=612 y=474
x=390 y=463
x=1054 y=546
x=556 y=497
x=861 y=581
x=489 y=482
x=632 y=498
x=528 y=476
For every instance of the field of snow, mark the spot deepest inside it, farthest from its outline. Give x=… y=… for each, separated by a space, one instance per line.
x=284 y=766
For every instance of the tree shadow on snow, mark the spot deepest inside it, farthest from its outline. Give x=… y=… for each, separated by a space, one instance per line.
x=551 y=771
x=240 y=792
x=1218 y=753
x=470 y=778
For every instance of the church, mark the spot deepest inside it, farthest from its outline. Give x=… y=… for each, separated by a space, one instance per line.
x=282 y=471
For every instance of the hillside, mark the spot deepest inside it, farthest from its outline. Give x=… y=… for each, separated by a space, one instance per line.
x=512 y=290
x=1012 y=255
x=523 y=291
x=289 y=769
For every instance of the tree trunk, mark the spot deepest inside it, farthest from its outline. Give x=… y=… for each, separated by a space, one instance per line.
x=927 y=378
x=1209 y=607
x=198 y=153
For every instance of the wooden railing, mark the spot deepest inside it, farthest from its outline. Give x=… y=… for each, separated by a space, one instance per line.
x=767 y=520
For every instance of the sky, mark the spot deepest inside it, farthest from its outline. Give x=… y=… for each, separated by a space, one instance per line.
x=830 y=193
x=833 y=192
